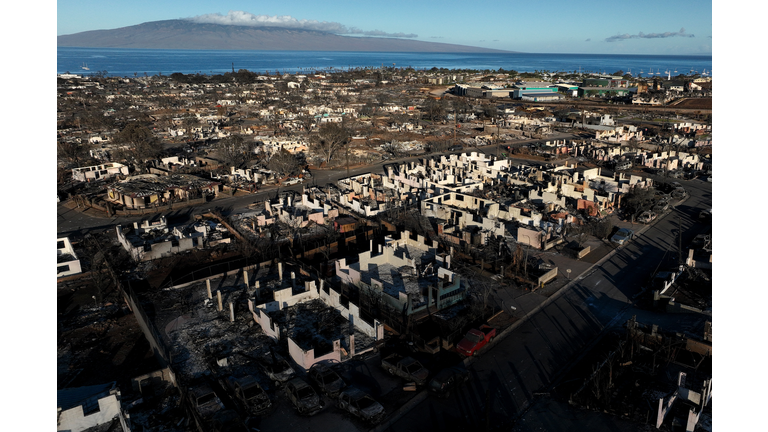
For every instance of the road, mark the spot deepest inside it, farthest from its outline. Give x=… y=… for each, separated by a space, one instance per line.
x=509 y=379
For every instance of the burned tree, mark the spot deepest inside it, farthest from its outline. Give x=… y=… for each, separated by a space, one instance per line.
x=329 y=139
x=139 y=144
x=235 y=151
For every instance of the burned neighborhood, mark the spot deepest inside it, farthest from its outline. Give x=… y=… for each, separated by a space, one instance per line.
x=384 y=249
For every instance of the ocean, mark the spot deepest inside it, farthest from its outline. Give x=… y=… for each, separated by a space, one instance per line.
x=135 y=62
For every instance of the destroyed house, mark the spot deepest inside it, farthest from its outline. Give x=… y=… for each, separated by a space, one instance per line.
x=86 y=408
x=407 y=274
x=317 y=323
x=148 y=190
x=153 y=240
x=99 y=172
x=67 y=262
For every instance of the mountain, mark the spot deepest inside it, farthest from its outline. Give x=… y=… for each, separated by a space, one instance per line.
x=183 y=34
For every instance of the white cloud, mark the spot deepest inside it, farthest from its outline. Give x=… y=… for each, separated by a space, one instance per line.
x=641 y=35
x=241 y=18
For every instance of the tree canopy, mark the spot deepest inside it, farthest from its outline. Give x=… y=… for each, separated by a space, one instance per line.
x=329 y=139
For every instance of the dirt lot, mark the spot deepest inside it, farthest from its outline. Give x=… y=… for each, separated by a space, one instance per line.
x=698 y=103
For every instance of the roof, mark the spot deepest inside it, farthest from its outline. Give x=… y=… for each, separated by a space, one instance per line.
x=546 y=94
x=72 y=397
x=149 y=184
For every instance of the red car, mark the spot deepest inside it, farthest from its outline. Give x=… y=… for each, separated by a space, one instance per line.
x=476 y=339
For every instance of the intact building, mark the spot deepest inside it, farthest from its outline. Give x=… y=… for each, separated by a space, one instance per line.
x=539 y=89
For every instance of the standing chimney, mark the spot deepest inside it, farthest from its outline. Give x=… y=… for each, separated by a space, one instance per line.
x=218 y=294
x=231 y=312
x=208 y=285
x=245 y=278
x=280 y=270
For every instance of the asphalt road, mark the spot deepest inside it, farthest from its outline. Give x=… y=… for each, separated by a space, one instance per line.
x=512 y=377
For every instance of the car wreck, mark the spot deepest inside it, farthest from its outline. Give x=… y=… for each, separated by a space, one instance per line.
x=361 y=405
x=303 y=397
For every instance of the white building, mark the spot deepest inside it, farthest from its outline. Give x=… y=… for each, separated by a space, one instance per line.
x=98 y=172
x=67 y=262
x=82 y=408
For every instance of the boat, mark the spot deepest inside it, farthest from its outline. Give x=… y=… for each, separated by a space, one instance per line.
x=85 y=67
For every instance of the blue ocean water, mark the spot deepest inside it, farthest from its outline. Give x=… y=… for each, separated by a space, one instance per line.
x=129 y=62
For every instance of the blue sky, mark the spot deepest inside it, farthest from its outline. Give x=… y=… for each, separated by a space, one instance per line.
x=650 y=27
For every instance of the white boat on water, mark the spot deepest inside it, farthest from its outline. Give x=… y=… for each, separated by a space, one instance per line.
x=84 y=67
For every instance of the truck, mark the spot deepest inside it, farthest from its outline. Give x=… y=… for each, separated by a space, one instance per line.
x=476 y=339
x=405 y=367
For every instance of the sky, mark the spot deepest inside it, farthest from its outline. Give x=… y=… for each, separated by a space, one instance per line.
x=673 y=27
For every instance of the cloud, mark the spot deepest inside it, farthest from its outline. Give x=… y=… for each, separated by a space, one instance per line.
x=641 y=35
x=240 y=18
x=588 y=40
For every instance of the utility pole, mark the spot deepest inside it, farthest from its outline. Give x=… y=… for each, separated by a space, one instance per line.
x=679 y=243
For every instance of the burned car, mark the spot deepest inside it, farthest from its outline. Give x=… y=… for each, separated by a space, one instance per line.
x=205 y=402
x=303 y=396
x=249 y=394
x=276 y=368
x=447 y=379
x=361 y=405
x=326 y=379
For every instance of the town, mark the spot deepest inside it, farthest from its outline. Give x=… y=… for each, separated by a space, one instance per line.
x=371 y=248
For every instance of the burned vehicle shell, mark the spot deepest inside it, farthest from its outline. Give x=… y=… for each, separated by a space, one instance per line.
x=447 y=379
x=326 y=379
x=276 y=368
x=303 y=396
x=361 y=405
x=250 y=394
x=205 y=401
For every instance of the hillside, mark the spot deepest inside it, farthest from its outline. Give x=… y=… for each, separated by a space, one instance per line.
x=182 y=34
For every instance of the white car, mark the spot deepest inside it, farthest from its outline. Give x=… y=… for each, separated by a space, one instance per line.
x=646 y=217
x=292 y=181
x=623 y=235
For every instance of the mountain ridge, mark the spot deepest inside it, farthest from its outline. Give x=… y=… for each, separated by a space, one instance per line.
x=183 y=34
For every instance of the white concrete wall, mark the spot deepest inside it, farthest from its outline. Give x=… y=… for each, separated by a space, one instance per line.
x=260 y=316
x=305 y=359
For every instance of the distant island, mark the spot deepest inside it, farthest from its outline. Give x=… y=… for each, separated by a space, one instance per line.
x=184 y=34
